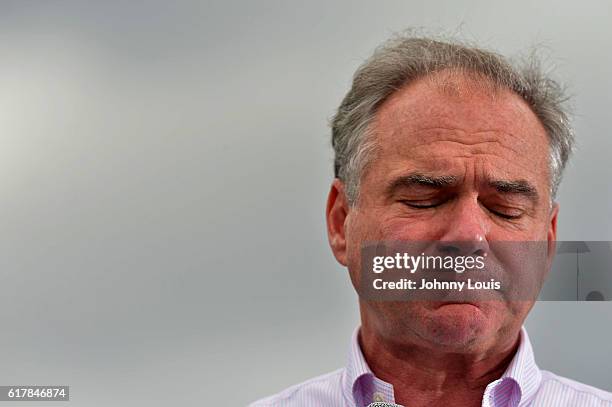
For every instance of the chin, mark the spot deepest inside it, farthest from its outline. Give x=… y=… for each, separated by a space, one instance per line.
x=456 y=326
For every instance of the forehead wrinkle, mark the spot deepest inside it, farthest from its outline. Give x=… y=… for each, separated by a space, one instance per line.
x=476 y=149
x=431 y=134
x=485 y=156
x=475 y=146
x=424 y=138
x=442 y=165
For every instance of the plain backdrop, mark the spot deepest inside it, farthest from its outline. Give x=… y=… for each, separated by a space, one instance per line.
x=163 y=173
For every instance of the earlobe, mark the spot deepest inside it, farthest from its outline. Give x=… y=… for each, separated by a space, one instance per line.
x=336 y=214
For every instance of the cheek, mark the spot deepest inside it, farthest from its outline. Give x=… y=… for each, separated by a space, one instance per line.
x=408 y=229
x=357 y=230
x=362 y=227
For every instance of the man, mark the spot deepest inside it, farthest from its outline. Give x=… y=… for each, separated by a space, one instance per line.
x=439 y=141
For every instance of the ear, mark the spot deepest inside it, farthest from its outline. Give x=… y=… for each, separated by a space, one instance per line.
x=336 y=214
x=552 y=232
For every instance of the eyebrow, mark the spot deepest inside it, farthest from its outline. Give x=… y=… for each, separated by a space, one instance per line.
x=520 y=187
x=418 y=179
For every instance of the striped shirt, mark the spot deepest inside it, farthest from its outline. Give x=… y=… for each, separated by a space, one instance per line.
x=522 y=385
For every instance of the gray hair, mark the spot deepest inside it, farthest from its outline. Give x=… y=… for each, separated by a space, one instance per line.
x=406 y=58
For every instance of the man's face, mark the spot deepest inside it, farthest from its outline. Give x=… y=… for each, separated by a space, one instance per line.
x=458 y=162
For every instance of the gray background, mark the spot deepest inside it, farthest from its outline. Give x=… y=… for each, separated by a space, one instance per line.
x=163 y=172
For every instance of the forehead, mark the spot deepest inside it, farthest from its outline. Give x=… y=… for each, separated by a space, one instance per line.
x=442 y=116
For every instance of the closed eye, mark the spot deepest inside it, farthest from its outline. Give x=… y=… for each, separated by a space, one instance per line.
x=421 y=204
x=507 y=214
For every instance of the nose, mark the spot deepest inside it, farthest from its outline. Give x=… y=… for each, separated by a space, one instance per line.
x=466 y=230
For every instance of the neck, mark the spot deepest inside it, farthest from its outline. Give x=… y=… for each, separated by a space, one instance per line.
x=422 y=375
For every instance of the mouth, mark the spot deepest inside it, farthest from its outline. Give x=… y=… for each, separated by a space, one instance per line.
x=440 y=304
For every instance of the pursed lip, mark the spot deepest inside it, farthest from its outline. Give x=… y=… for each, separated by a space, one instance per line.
x=440 y=304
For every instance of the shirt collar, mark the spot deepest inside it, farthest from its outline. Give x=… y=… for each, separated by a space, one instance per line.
x=515 y=388
x=360 y=384
x=519 y=383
